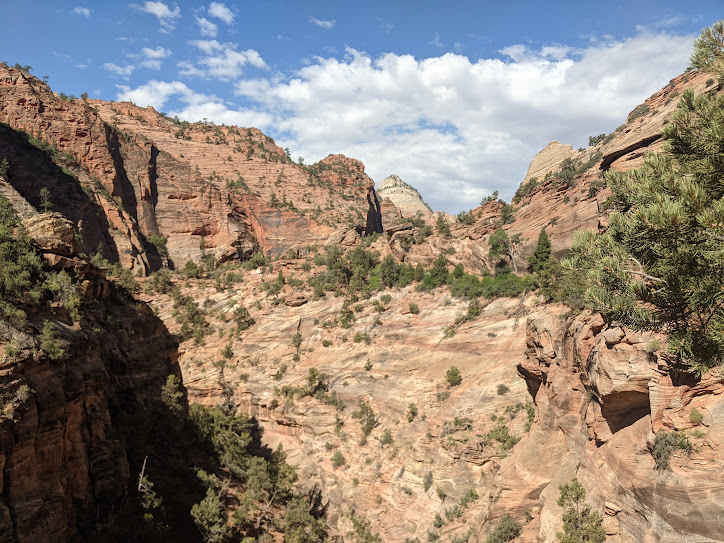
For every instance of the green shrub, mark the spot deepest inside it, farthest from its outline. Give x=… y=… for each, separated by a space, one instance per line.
x=667 y=442
x=427 y=481
x=366 y=416
x=338 y=459
x=442 y=226
x=453 y=377
x=158 y=243
x=411 y=412
x=524 y=189
x=502 y=435
x=640 y=111
x=696 y=417
x=50 y=342
x=506 y=530
x=469 y=497
x=414 y=308
x=580 y=523
x=159 y=282
x=465 y=217
x=503 y=389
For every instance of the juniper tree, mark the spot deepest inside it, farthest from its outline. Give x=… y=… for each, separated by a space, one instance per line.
x=660 y=265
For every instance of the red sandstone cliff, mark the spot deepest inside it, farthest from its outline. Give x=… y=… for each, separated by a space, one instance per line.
x=124 y=174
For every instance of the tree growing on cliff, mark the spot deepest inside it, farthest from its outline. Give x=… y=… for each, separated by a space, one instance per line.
x=660 y=265
x=580 y=523
x=503 y=245
x=542 y=254
x=453 y=377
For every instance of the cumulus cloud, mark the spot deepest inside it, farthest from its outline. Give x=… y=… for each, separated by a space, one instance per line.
x=220 y=11
x=192 y=105
x=448 y=121
x=220 y=60
x=165 y=15
x=327 y=25
x=85 y=12
x=455 y=128
x=154 y=93
x=207 y=28
x=151 y=58
x=119 y=71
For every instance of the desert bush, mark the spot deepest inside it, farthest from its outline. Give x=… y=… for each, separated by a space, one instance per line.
x=666 y=443
x=453 y=377
x=506 y=530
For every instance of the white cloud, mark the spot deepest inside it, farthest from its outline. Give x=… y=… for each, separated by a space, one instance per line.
x=154 y=93
x=165 y=15
x=151 y=58
x=220 y=61
x=85 y=12
x=327 y=25
x=220 y=11
x=457 y=129
x=193 y=105
x=454 y=128
x=207 y=28
x=120 y=71
x=436 y=42
x=157 y=53
x=387 y=28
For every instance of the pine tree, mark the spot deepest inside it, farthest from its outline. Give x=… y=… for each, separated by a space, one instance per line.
x=709 y=50
x=660 y=265
x=542 y=254
x=580 y=524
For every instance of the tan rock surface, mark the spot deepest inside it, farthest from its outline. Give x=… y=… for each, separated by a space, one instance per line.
x=548 y=159
x=407 y=357
x=406 y=198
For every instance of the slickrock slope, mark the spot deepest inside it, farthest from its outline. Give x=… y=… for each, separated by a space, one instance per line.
x=404 y=362
x=548 y=159
x=65 y=468
x=405 y=197
x=600 y=391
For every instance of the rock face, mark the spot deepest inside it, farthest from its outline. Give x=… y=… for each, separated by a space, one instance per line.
x=548 y=159
x=326 y=194
x=124 y=175
x=65 y=471
x=600 y=392
x=390 y=365
x=405 y=197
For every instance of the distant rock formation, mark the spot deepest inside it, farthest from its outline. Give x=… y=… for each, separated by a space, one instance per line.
x=405 y=197
x=547 y=159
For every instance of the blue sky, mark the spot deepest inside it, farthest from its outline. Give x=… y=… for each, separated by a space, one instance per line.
x=454 y=97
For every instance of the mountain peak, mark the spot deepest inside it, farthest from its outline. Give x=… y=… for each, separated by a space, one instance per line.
x=405 y=197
